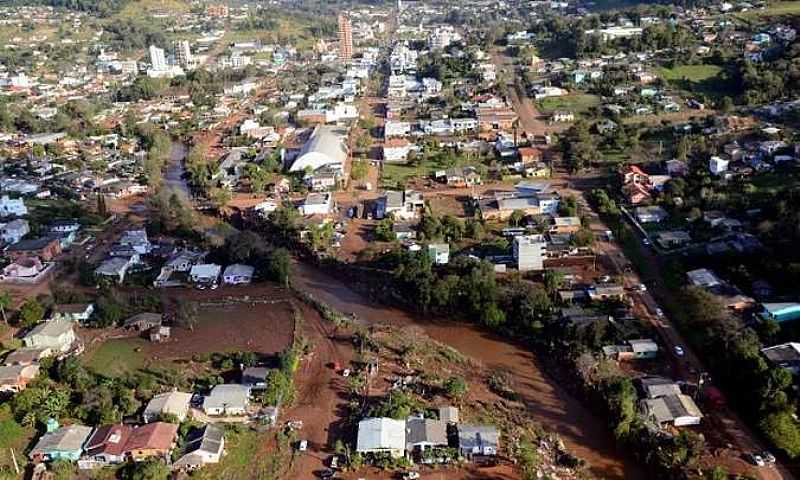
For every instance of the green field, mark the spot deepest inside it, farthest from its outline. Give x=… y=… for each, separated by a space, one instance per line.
x=578 y=103
x=774 y=10
x=117 y=357
x=705 y=79
x=692 y=73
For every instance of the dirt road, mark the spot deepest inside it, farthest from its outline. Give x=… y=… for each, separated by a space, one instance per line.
x=550 y=404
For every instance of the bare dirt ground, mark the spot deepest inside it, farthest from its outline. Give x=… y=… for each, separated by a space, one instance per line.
x=547 y=402
x=321 y=394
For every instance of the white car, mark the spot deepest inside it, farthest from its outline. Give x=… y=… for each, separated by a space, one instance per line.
x=659 y=312
x=411 y=476
x=303 y=445
x=346 y=372
x=679 y=350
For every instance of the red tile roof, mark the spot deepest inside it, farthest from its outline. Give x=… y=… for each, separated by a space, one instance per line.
x=153 y=436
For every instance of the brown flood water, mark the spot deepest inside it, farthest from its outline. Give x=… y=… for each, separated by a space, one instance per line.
x=585 y=434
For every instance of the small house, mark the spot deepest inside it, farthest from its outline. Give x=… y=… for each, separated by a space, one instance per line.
x=255 y=378
x=73 y=312
x=14 y=378
x=424 y=433
x=238 y=274
x=57 y=335
x=678 y=410
x=154 y=440
x=143 y=321
x=205 y=274
x=106 y=446
x=64 y=443
x=170 y=403
x=780 y=312
x=227 y=399
x=46 y=248
x=381 y=435
x=203 y=446
x=439 y=253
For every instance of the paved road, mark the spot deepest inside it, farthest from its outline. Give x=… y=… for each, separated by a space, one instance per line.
x=688 y=366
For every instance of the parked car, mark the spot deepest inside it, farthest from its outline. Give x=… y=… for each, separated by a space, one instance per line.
x=346 y=372
x=334 y=462
x=768 y=457
x=756 y=459
x=302 y=445
x=659 y=312
x=679 y=350
x=646 y=242
x=410 y=476
x=327 y=473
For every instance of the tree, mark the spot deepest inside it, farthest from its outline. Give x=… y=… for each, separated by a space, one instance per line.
x=516 y=217
x=726 y=105
x=359 y=170
x=384 y=230
x=102 y=210
x=683 y=149
x=30 y=313
x=186 y=315
x=455 y=387
x=109 y=310
x=152 y=469
x=280 y=265
x=5 y=302
x=584 y=237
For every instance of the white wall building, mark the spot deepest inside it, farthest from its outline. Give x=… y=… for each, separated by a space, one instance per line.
x=529 y=252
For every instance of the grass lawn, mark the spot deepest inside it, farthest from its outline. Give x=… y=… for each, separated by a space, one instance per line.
x=116 y=357
x=13 y=435
x=705 y=79
x=578 y=103
x=137 y=8
x=693 y=73
x=773 y=10
x=245 y=457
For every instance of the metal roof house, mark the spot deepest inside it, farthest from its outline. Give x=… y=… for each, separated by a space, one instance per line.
x=382 y=435
x=202 y=447
x=423 y=433
x=172 y=403
x=679 y=410
x=65 y=443
x=780 y=312
x=227 y=399
x=326 y=146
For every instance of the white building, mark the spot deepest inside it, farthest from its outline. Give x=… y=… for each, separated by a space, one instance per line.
x=157 y=59
x=325 y=147
x=183 y=54
x=529 y=252
x=205 y=273
x=718 y=165
x=381 y=435
x=317 y=204
x=12 y=206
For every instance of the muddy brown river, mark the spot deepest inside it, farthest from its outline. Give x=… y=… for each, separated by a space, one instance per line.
x=585 y=434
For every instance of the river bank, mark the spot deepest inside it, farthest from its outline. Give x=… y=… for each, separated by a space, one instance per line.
x=548 y=402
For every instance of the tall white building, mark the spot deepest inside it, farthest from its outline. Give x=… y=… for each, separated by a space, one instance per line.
x=183 y=54
x=529 y=252
x=157 y=58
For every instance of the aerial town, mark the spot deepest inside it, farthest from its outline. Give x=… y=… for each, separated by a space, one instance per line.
x=471 y=239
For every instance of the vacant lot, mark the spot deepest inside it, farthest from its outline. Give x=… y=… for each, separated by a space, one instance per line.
x=116 y=357
x=692 y=73
x=262 y=328
x=705 y=79
x=578 y=103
